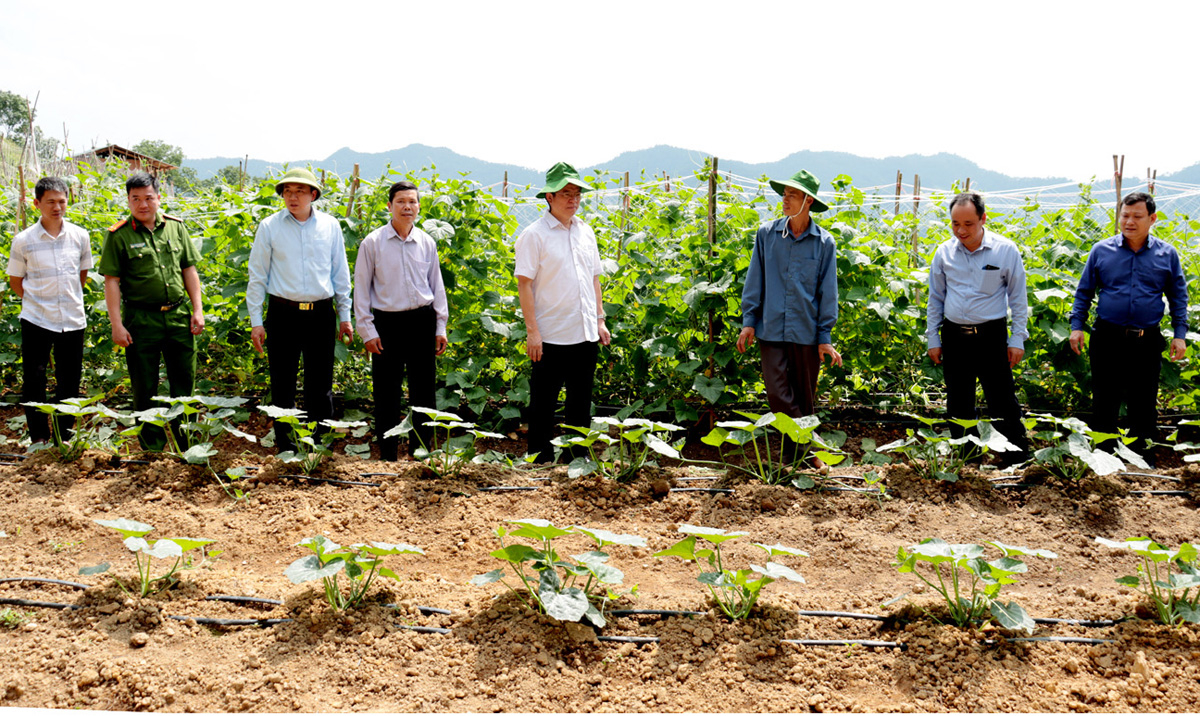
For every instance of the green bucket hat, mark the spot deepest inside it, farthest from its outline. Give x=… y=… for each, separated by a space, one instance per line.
x=560 y=175
x=298 y=176
x=806 y=183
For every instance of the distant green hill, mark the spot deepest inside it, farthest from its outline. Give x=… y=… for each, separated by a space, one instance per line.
x=936 y=171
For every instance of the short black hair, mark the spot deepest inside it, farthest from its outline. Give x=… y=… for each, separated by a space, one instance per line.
x=1140 y=197
x=139 y=180
x=46 y=184
x=400 y=186
x=969 y=197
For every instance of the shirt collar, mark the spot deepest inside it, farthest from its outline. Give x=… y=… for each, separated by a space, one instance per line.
x=312 y=213
x=555 y=223
x=391 y=233
x=988 y=242
x=46 y=232
x=158 y=220
x=783 y=228
x=1125 y=244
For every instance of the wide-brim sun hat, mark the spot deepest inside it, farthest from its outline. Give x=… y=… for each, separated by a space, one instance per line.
x=560 y=175
x=805 y=182
x=298 y=176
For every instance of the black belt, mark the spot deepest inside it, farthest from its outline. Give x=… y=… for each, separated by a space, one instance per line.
x=301 y=305
x=965 y=329
x=155 y=307
x=1126 y=331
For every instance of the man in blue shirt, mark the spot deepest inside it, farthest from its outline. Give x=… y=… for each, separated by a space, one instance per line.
x=975 y=279
x=298 y=268
x=789 y=301
x=1131 y=272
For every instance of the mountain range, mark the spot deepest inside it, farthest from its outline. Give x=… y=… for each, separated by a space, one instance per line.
x=937 y=171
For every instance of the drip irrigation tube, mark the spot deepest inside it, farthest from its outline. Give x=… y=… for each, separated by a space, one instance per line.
x=1057 y=639
x=9 y=464
x=834 y=488
x=1150 y=474
x=35 y=603
x=423 y=630
x=709 y=490
x=697 y=479
x=1177 y=493
x=112 y=472
x=126 y=461
x=846 y=642
x=332 y=481
x=379 y=474
x=1080 y=622
x=654 y=612
x=243 y=600
x=845 y=615
x=208 y=621
x=509 y=488
x=629 y=639
x=42 y=580
x=13 y=455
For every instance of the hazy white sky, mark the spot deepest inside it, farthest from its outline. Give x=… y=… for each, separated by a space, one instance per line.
x=1026 y=88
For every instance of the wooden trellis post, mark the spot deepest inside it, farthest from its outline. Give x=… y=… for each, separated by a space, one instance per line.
x=1118 y=171
x=899 y=176
x=712 y=237
x=912 y=261
x=21 y=200
x=504 y=188
x=1151 y=176
x=624 y=217
x=967 y=187
x=353 y=190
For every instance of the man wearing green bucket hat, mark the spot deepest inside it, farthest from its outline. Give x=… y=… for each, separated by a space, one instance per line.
x=298 y=269
x=558 y=283
x=789 y=302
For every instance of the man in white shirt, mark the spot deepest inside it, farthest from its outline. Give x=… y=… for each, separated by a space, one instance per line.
x=47 y=268
x=558 y=282
x=298 y=267
x=401 y=312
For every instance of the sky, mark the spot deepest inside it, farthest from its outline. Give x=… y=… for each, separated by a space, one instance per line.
x=1046 y=88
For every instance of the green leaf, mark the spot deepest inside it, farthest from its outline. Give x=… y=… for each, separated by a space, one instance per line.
x=127 y=527
x=385 y=548
x=517 y=553
x=684 y=549
x=199 y=453
x=604 y=537
x=491 y=577
x=580 y=467
x=568 y=605
x=161 y=549
x=95 y=569
x=775 y=570
x=776 y=549
x=1012 y=616
x=710 y=389
x=537 y=529
x=712 y=534
x=309 y=568
x=187 y=545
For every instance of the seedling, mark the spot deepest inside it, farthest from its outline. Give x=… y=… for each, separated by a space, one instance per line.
x=1070 y=459
x=939 y=455
x=89 y=431
x=446 y=456
x=312 y=445
x=11 y=618
x=621 y=448
x=1167 y=576
x=969 y=585
x=134 y=533
x=359 y=562
x=1191 y=450
x=735 y=591
x=550 y=581
x=799 y=440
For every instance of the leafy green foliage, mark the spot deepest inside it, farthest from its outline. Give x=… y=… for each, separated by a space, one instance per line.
x=312 y=445
x=970 y=585
x=735 y=591
x=1072 y=451
x=11 y=618
x=144 y=550
x=360 y=563
x=620 y=448
x=1169 y=577
x=799 y=440
x=572 y=590
x=938 y=455
x=89 y=431
x=448 y=454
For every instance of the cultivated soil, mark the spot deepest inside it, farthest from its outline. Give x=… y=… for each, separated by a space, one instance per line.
x=124 y=653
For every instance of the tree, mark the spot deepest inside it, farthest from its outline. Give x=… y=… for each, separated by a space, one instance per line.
x=14 y=115
x=171 y=154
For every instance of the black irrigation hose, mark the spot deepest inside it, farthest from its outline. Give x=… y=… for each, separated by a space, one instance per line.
x=112 y=472
x=709 y=490
x=629 y=639
x=126 y=461
x=1178 y=493
x=834 y=488
x=1056 y=639
x=208 y=621
x=1149 y=474
x=34 y=603
x=508 y=488
x=9 y=464
x=379 y=474
x=697 y=479
x=844 y=615
x=1080 y=622
x=654 y=612
x=243 y=600
x=846 y=642
x=14 y=455
x=332 y=481
x=423 y=630
x=424 y=610
x=42 y=580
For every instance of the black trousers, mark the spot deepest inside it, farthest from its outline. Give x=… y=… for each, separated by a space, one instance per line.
x=408 y=341
x=981 y=355
x=1125 y=369
x=790 y=372
x=37 y=344
x=293 y=334
x=572 y=366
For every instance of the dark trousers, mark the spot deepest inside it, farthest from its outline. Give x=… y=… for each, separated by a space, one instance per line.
x=980 y=352
x=790 y=373
x=293 y=334
x=159 y=337
x=1125 y=368
x=573 y=366
x=36 y=345
x=408 y=342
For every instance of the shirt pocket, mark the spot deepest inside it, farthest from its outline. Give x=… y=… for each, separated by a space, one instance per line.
x=418 y=275
x=990 y=281
x=806 y=274
x=142 y=263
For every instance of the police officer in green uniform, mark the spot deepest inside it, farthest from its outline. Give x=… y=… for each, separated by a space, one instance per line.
x=149 y=268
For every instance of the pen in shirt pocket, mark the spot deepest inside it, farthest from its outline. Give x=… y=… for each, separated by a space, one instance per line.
x=990 y=267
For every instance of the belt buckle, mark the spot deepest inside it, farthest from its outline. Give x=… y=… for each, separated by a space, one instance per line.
x=1134 y=332
x=164 y=308
x=305 y=306
x=970 y=330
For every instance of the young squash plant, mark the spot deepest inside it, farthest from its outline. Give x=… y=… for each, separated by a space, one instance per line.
x=940 y=455
x=143 y=550
x=313 y=444
x=90 y=430
x=771 y=463
x=447 y=455
x=969 y=585
x=1072 y=452
x=1169 y=577
x=619 y=449
x=735 y=591
x=574 y=590
x=360 y=563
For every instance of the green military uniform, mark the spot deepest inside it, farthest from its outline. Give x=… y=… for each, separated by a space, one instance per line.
x=155 y=309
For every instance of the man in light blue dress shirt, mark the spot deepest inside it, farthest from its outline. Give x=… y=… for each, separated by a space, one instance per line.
x=976 y=278
x=298 y=268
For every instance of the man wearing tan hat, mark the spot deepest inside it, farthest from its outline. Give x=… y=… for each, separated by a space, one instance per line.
x=298 y=268
x=558 y=282
x=789 y=302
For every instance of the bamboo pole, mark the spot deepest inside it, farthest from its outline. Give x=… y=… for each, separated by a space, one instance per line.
x=353 y=191
x=899 y=176
x=504 y=189
x=916 y=219
x=968 y=185
x=668 y=184
x=1152 y=175
x=21 y=200
x=1118 y=170
x=712 y=237
x=624 y=217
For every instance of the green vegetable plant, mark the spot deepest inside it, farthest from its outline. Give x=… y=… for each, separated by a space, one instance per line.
x=1191 y=450
x=11 y=618
x=735 y=591
x=90 y=431
x=144 y=551
x=447 y=455
x=1169 y=577
x=970 y=585
x=1072 y=452
x=620 y=448
x=570 y=590
x=938 y=455
x=312 y=445
x=360 y=563
x=765 y=461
